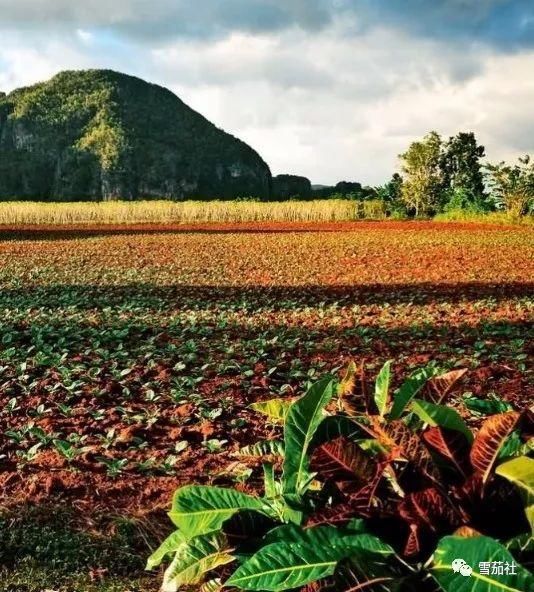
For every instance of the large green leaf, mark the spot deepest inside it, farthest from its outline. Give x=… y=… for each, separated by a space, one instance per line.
x=490 y=406
x=274 y=409
x=194 y=559
x=409 y=390
x=440 y=415
x=520 y=471
x=285 y=565
x=382 y=388
x=320 y=536
x=170 y=545
x=302 y=421
x=200 y=509
x=291 y=533
x=474 y=551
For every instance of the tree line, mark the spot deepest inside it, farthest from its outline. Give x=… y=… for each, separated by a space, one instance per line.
x=438 y=175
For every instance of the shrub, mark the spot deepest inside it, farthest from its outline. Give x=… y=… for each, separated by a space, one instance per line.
x=364 y=493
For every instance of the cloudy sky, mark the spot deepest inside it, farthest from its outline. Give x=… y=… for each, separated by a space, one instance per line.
x=331 y=89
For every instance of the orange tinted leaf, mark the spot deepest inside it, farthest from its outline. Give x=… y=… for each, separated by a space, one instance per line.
x=442 y=385
x=466 y=532
x=404 y=443
x=347 y=384
x=489 y=440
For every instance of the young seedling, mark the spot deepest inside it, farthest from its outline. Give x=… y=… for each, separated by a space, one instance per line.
x=67 y=450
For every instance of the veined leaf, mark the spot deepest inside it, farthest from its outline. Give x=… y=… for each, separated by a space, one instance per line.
x=194 y=559
x=439 y=415
x=412 y=547
x=520 y=472
x=489 y=440
x=443 y=384
x=170 y=545
x=286 y=565
x=198 y=510
x=302 y=421
x=263 y=448
x=409 y=390
x=382 y=388
x=276 y=409
x=451 y=445
x=342 y=459
x=291 y=533
x=473 y=551
x=402 y=442
x=429 y=508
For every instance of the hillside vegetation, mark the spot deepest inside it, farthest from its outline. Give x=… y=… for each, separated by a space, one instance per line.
x=98 y=134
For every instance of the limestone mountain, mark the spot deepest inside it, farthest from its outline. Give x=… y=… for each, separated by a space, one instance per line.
x=99 y=135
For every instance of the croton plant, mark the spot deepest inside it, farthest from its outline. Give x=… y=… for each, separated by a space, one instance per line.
x=372 y=492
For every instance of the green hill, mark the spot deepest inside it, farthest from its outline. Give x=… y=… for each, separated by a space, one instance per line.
x=100 y=135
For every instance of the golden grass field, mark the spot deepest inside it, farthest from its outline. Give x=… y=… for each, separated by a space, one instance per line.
x=187 y=212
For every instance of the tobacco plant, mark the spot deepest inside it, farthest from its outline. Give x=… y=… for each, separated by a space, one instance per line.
x=365 y=492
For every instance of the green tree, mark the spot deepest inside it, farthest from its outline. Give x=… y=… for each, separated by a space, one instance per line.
x=462 y=171
x=423 y=187
x=391 y=191
x=391 y=194
x=512 y=187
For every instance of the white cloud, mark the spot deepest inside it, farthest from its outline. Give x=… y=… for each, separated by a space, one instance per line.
x=84 y=36
x=330 y=105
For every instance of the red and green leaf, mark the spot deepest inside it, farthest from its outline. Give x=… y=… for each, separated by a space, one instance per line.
x=441 y=386
x=451 y=445
x=343 y=460
x=489 y=441
x=429 y=508
x=403 y=443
